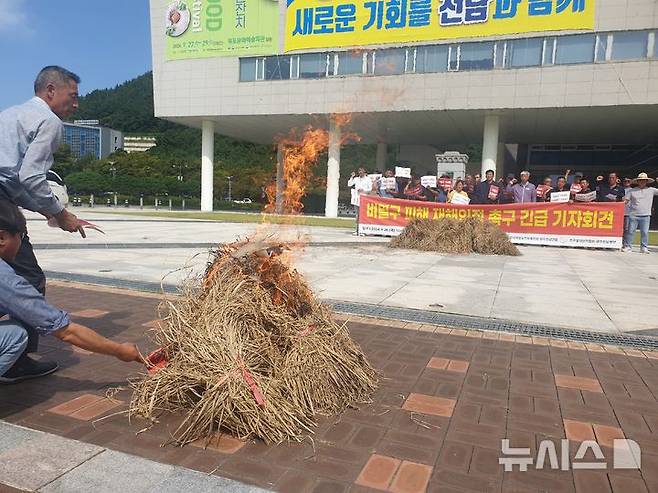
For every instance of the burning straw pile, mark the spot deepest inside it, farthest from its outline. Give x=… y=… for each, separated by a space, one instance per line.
x=449 y=235
x=251 y=351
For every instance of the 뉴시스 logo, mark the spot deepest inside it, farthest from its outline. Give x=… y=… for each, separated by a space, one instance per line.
x=626 y=454
x=178 y=18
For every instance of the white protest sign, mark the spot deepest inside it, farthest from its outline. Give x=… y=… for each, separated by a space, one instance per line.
x=459 y=199
x=402 y=172
x=428 y=181
x=560 y=197
x=387 y=183
x=586 y=197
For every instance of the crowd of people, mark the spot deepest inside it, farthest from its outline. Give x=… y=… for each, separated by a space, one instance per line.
x=634 y=192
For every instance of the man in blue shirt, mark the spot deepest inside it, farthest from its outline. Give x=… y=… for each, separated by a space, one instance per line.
x=523 y=192
x=22 y=305
x=29 y=135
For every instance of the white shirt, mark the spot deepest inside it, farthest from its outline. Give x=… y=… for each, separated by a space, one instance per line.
x=360 y=185
x=641 y=200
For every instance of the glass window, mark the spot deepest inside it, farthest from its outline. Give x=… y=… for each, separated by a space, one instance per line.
x=350 y=63
x=575 y=49
x=390 y=62
x=331 y=68
x=370 y=62
x=277 y=68
x=525 y=52
x=247 y=69
x=501 y=55
x=629 y=46
x=476 y=56
x=453 y=57
x=549 y=51
x=430 y=59
x=312 y=65
x=601 y=47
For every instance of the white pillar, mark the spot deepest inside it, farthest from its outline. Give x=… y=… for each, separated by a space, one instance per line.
x=333 y=171
x=382 y=154
x=280 y=185
x=490 y=144
x=207 y=156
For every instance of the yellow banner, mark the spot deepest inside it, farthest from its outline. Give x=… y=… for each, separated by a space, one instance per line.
x=343 y=23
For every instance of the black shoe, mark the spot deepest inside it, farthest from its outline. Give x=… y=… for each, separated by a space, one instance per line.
x=26 y=368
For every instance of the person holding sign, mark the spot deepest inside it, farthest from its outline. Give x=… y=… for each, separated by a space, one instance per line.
x=415 y=190
x=458 y=195
x=524 y=191
x=575 y=185
x=562 y=185
x=359 y=184
x=640 y=200
x=433 y=188
x=586 y=194
x=387 y=186
x=487 y=192
x=612 y=191
x=544 y=190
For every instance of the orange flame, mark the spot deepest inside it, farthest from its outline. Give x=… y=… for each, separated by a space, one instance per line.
x=300 y=154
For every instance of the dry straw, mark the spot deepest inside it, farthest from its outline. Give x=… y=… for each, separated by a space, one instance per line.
x=251 y=351
x=449 y=235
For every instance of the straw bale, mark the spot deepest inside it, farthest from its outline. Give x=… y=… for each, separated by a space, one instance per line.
x=457 y=236
x=252 y=326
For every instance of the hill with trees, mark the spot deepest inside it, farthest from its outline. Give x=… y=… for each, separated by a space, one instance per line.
x=173 y=167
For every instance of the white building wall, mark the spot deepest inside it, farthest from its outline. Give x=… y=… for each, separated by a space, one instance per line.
x=210 y=87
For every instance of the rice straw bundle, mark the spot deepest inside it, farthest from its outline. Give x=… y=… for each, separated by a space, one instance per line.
x=252 y=351
x=459 y=236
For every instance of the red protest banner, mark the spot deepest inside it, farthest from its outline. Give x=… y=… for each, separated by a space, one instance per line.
x=593 y=224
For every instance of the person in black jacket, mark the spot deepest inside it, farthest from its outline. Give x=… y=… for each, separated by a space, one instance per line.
x=612 y=191
x=484 y=194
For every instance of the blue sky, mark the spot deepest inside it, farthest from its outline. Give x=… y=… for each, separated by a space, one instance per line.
x=104 y=41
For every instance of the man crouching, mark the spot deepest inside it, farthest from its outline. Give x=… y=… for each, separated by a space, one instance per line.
x=21 y=304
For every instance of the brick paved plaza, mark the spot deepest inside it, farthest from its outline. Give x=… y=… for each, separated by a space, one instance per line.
x=447 y=398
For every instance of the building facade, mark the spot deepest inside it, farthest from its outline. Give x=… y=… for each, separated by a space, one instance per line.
x=586 y=100
x=98 y=142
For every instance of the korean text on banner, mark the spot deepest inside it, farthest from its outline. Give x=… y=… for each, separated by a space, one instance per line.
x=594 y=224
x=343 y=23
x=210 y=28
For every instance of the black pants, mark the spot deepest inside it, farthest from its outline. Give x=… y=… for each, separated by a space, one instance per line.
x=26 y=266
